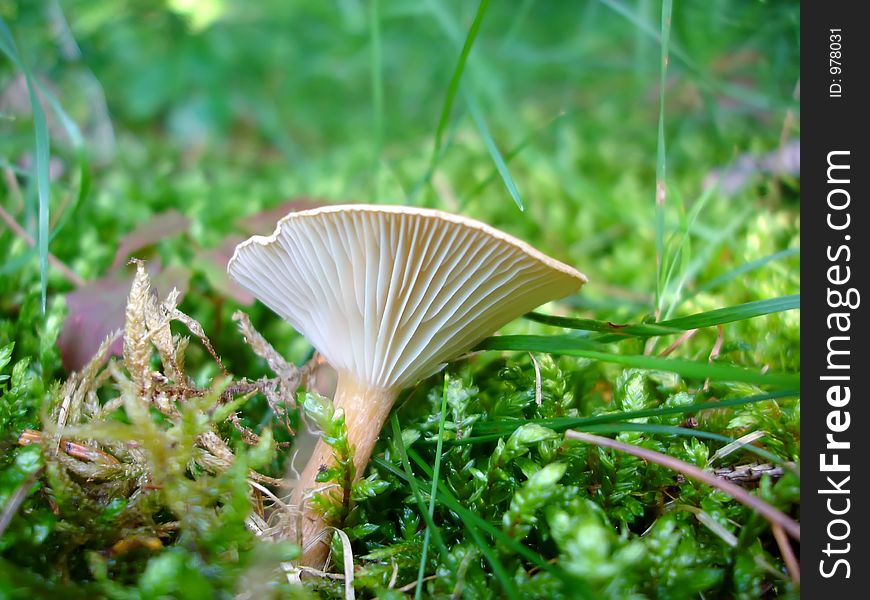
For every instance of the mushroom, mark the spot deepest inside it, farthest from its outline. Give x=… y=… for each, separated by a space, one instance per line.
x=388 y=294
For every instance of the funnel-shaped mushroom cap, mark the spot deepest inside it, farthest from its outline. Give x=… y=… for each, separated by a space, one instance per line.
x=389 y=293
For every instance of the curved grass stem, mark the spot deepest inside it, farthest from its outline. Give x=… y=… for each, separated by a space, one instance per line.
x=773 y=515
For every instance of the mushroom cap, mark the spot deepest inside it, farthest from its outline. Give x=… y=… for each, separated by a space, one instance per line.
x=388 y=294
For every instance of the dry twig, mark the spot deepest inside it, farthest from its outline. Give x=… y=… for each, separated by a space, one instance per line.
x=770 y=513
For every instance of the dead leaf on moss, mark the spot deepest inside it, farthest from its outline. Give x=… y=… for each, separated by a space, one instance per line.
x=97 y=309
x=213 y=263
x=158 y=227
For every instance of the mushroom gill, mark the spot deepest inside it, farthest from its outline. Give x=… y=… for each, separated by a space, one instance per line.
x=388 y=294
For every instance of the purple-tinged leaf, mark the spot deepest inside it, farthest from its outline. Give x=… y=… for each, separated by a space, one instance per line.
x=97 y=309
x=158 y=227
x=213 y=264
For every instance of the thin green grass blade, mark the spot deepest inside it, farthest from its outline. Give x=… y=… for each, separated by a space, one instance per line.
x=681 y=259
x=642 y=48
x=674 y=261
x=738 y=312
x=571 y=346
x=620 y=426
x=433 y=494
x=42 y=152
x=742 y=270
x=69 y=125
x=43 y=186
x=704 y=257
x=661 y=157
x=82 y=160
x=643 y=25
x=618 y=422
x=504 y=427
x=415 y=488
x=5 y=164
x=616 y=332
x=493 y=150
x=520 y=16
x=7 y=44
x=741 y=93
x=510 y=155
x=74 y=134
x=469 y=517
x=430 y=170
x=453 y=87
x=721 y=316
x=623 y=330
x=447 y=499
x=377 y=87
x=498 y=569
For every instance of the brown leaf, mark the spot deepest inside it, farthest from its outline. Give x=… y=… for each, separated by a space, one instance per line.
x=97 y=309
x=158 y=227
x=213 y=263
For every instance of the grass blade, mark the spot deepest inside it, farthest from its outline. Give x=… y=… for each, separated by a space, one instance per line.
x=519 y=17
x=453 y=87
x=738 y=312
x=619 y=421
x=742 y=270
x=415 y=488
x=432 y=495
x=720 y=316
x=704 y=256
x=377 y=87
x=681 y=256
x=562 y=423
x=492 y=148
x=78 y=142
x=504 y=579
x=42 y=157
x=511 y=154
x=740 y=93
x=617 y=329
x=650 y=428
x=661 y=162
x=43 y=186
x=571 y=346
x=469 y=518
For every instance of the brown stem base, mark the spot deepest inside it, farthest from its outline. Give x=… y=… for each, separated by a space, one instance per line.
x=365 y=411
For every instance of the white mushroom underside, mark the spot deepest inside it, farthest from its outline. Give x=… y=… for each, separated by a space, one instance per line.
x=389 y=294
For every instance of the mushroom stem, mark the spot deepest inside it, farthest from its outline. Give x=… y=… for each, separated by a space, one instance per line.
x=365 y=411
